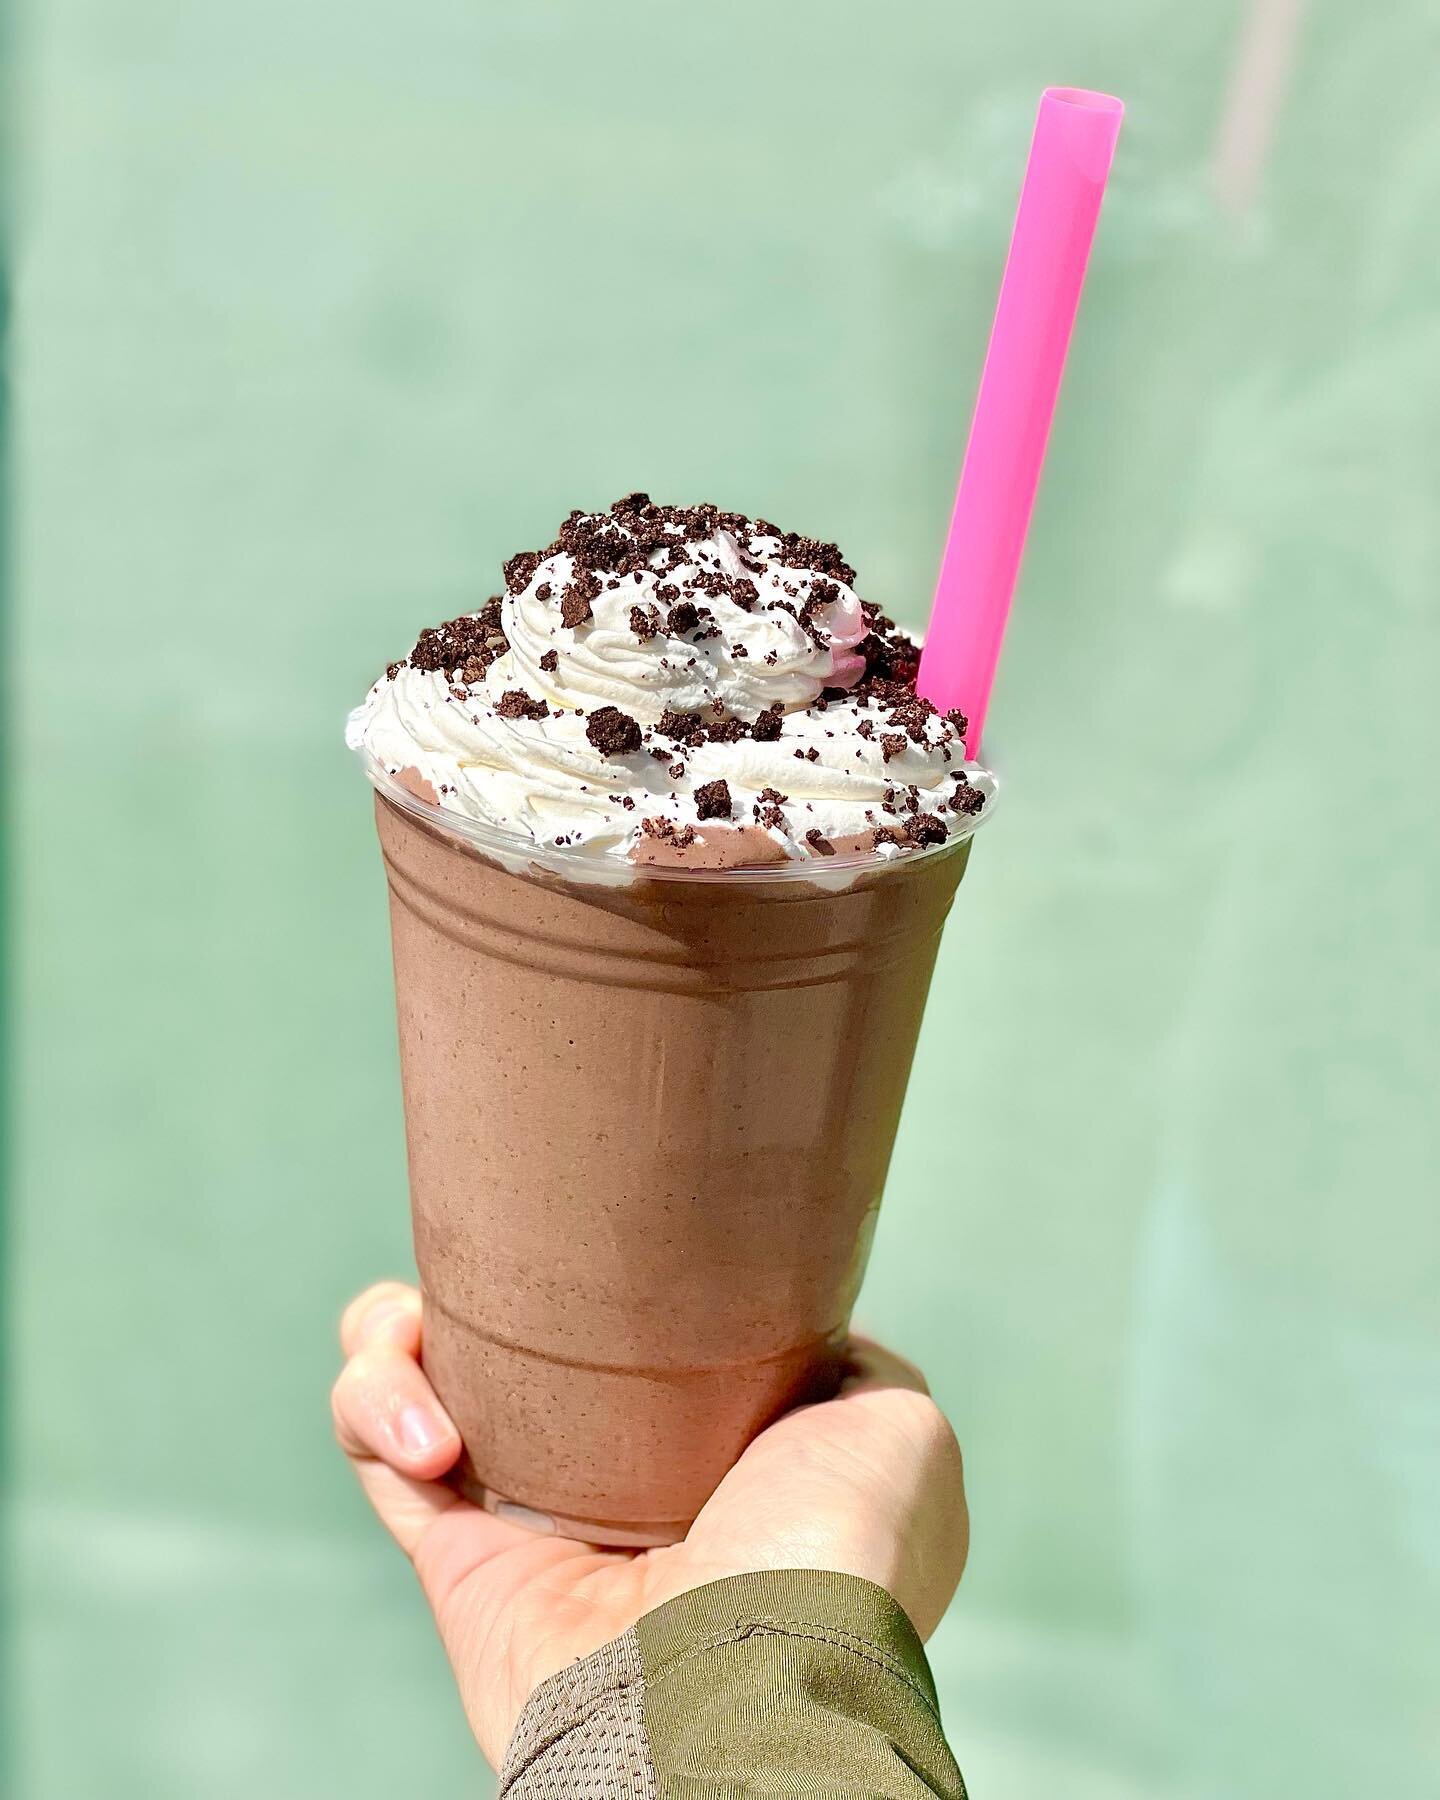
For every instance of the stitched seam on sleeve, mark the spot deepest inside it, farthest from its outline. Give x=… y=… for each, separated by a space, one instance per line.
x=835 y=1636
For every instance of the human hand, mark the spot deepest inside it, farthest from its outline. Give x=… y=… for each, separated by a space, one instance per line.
x=869 y=1483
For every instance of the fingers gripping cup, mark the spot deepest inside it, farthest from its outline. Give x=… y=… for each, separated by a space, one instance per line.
x=670 y=841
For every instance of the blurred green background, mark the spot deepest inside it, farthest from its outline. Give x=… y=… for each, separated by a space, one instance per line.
x=321 y=311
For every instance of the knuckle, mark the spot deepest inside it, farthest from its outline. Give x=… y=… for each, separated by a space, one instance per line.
x=930 y=1427
x=339 y=1393
x=391 y=1296
x=364 y=1371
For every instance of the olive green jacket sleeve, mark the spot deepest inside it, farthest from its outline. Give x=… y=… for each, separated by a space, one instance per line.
x=796 y=1683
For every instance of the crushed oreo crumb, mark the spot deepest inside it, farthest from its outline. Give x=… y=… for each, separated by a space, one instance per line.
x=819 y=843
x=612 y=732
x=520 y=570
x=517 y=704
x=968 y=801
x=550 y=661
x=683 y=728
x=925 y=828
x=768 y=803
x=465 y=646
x=666 y=831
x=575 y=607
x=912 y=714
x=712 y=800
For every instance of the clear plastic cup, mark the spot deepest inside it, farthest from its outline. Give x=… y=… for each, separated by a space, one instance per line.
x=649 y=1114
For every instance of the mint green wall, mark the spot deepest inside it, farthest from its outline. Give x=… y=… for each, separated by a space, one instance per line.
x=323 y=309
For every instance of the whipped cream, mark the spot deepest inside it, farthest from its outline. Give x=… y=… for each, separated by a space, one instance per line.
x=662 y=679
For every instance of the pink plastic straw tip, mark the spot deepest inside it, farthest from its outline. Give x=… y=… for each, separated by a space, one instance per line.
x=1091 y=124
x=1070 y=156
x=1085 y=98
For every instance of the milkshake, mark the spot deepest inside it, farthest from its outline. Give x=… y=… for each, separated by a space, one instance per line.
x=670 y=840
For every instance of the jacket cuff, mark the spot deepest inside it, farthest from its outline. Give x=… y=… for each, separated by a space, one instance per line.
x=748 y=1686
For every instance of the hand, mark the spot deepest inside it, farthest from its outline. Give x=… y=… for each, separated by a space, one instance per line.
x=869 y=1484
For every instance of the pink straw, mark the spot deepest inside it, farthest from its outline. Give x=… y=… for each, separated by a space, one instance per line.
x=1070 y=157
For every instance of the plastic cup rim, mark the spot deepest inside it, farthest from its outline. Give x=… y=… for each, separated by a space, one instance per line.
x=508 y=848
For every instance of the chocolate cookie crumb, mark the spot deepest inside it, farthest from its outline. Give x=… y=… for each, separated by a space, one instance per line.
x=766 y=728
x=668 y=832
x=712 y=800
x=550 y=661
x=911 y=715
x=892 y=743
x=684 y=615
x=519 y=570
x=767 y=808
x=644 y=622
x=967 y=801
x=612 y=732
x=517 y=704
x=819 y=843
x=684 y=728
x=822 y=593
x=575 y=601
x=925 y=828
x=468 y=644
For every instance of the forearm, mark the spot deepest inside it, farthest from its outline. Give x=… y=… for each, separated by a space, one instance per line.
x=781 y=1683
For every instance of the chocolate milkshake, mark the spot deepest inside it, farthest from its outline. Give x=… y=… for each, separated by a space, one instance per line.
x=670 y=840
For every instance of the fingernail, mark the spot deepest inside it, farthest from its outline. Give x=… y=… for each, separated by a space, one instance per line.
x=420 y=1430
